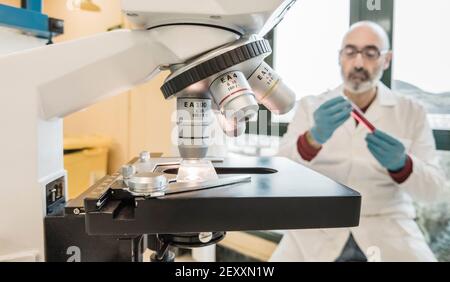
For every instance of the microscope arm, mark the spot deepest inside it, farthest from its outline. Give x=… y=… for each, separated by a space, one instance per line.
x=70 y=76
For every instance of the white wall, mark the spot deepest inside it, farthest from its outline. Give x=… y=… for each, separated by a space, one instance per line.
x=13 y=41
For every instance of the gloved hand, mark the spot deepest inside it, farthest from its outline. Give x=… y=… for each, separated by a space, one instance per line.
x=328 y=117
x=388 y=151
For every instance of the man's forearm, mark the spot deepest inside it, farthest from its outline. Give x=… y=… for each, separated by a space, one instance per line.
x=402 y=175
x=311 y=141
x=307 y=147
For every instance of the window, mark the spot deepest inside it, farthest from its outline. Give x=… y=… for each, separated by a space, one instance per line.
x=421 y=70
x=421 y=58
x=306 y=47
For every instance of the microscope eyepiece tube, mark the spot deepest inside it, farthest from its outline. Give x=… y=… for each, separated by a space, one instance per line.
x=234 y=96
x=271 y=91
x=193 y=121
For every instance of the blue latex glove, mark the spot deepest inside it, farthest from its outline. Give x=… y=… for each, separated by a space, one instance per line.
x=328 y=117
x=388 y=151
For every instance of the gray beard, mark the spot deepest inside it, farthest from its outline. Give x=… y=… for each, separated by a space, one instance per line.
x=360 y=88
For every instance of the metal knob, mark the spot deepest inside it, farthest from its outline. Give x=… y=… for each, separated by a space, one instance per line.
x=147 y=183
x=128 y=171
x=144 y=157
x=205 y=237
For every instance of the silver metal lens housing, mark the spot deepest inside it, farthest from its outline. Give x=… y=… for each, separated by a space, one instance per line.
x=194 y=116
x=231 y=127
x=234 y=96
x=271 y=91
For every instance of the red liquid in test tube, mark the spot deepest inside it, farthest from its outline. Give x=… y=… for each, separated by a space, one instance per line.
x=359 y=116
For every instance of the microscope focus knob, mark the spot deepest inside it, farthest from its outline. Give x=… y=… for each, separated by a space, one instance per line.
x=128 y=171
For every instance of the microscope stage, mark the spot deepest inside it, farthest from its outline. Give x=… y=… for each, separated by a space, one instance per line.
x=281 y=195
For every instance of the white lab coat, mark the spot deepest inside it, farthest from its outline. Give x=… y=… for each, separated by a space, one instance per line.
x=387 y=231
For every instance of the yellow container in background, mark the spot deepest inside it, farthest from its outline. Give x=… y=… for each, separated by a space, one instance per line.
x=86 y=161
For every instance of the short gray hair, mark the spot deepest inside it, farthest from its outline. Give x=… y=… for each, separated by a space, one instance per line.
x=378 y=29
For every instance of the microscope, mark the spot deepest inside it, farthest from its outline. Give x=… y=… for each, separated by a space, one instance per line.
x=215 y=51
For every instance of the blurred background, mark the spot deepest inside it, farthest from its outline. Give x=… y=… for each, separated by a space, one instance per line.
x=99 y=139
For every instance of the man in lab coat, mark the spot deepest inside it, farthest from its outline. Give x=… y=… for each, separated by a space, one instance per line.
x=390 y=168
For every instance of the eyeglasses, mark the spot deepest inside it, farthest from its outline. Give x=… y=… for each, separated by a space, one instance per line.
x=370 y=53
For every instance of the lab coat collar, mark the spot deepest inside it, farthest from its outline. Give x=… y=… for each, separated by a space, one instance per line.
x=385 y=97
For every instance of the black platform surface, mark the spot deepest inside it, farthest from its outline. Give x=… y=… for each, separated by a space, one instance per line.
x=293 y=197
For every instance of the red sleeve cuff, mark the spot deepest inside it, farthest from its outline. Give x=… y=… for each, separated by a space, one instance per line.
x=306 y=151
x=402 y=175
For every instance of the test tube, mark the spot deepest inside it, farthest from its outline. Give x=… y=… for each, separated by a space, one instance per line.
x=358 y=115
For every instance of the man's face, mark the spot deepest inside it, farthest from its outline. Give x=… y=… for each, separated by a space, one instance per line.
x=363 y=60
